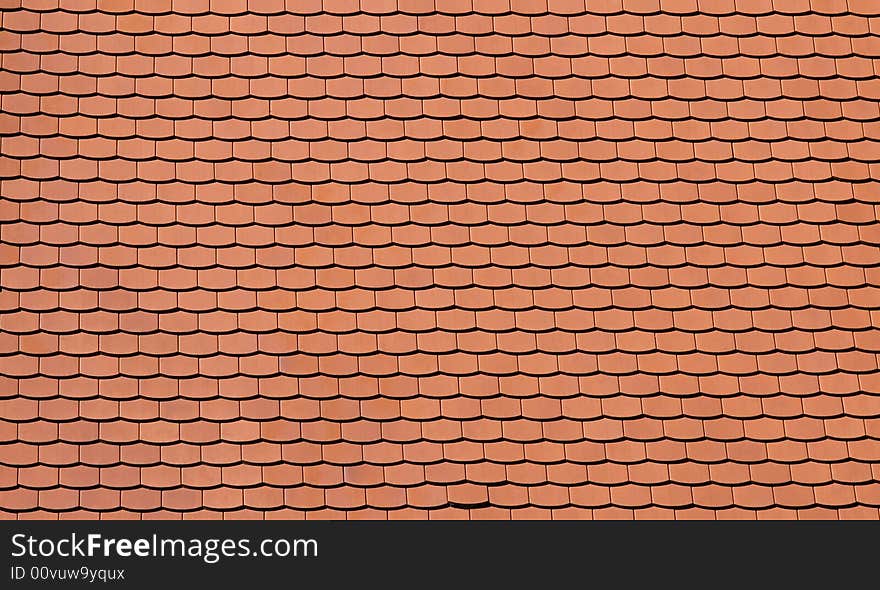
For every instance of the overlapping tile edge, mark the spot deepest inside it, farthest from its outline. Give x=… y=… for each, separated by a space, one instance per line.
x=464 y=259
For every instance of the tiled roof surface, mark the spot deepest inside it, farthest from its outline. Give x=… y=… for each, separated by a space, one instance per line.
x=480 y=259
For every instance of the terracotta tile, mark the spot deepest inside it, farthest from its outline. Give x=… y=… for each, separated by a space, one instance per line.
x=732 y=315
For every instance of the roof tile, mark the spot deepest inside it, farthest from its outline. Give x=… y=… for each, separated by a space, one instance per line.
x=549 y=260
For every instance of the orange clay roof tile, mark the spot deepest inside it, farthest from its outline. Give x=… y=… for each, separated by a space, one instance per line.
x=499 y=259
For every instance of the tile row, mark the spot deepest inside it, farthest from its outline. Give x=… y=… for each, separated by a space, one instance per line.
x=502 y=161
x=782 y=395
x=137 y=288
x=312 y=172
x=492 y=336
x=429 y=225
x=204 y=244
x=656 y=308
x=267 y=411
x=465 y=495
x=658 y=348
x=52 y=152
x=671 y=91
x=474 y=17
x=168 y=50
x=405 y=477
x=453 y=513
x=114 y=111
x=661 y=203
x=593 y=61
x=247 y=459
x=616 y=307
x=215 y=271
x=736 y=336
x=353 y=439
x=456 y=363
